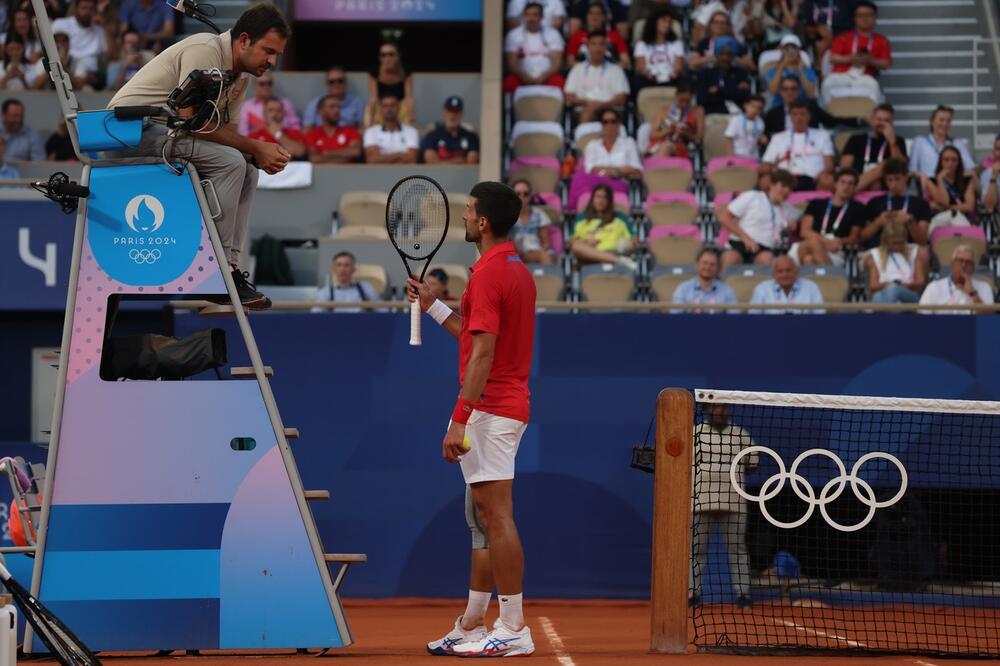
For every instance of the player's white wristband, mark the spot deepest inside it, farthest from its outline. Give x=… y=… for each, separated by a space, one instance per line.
x=439 y=311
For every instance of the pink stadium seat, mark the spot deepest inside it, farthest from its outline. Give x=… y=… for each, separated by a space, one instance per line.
x=730 y=163
x=556 y=242
x=541 y=172
x=722 y=198
x=586 y=182
x=667 y=174
x=944 y=240
x=675 y=243
x=797 y=198
x=671 y=208
x=971 y=233
x=684 y=230
x=681 y=163
x=722 y=240
x=551 y=199
x=865 y=197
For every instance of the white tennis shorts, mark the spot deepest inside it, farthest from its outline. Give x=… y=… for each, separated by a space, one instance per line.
x=494 y=446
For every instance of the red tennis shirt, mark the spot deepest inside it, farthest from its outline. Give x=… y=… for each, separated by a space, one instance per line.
x=500 y=299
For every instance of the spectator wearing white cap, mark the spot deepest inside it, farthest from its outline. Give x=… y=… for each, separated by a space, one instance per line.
x=449 y=141
x=791 y=65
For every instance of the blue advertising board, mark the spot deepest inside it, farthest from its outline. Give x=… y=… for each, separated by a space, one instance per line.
x=36 y=242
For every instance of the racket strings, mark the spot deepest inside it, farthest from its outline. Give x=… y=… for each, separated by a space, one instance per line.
x=417 y=218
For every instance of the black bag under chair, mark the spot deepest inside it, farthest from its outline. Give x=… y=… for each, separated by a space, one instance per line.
x=152 y=356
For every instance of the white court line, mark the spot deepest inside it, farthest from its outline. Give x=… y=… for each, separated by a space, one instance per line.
x=556 y=642
x=920 y=662
x=821 y=634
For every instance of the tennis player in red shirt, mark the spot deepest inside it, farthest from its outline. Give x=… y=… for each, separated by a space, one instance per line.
x=495 y=331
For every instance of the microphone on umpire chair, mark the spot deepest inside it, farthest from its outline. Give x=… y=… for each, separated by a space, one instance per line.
x=200 y=11
x=60 y=189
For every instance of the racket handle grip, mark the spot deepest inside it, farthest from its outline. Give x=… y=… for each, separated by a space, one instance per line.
x=415 y=324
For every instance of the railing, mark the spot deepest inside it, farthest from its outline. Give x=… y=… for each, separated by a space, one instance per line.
x=991 y=129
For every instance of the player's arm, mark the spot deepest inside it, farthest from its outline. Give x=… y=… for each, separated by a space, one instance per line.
x=477 y=371
x=453 y=322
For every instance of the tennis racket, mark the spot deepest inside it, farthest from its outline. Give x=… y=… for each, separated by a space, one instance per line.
x=62 y=643
x=416 y=216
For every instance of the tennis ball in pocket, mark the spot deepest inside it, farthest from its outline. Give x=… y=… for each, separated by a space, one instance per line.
x=466 y=443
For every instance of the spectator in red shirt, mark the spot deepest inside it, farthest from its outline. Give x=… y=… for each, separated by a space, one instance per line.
x=597 y=19
x=858 y=56
x=273 y=130
x=329 y=143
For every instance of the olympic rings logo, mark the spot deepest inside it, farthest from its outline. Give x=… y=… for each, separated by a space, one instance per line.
x=144 y=256
x=830 y=492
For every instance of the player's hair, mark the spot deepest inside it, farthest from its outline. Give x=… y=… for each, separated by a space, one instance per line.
x=344 y=253
x=885 y=107
x=783 y=177
x=439 y=274
x=895 y=167
x=498 y=204
x=260 y=19
x=799 y=104
x=848 y=171
x=7 y=103
x=755 y=98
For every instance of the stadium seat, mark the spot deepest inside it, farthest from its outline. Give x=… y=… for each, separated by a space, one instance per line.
x=732 y=174
x=713 y=144
x=743 y=279
x=587 y=132
x=457 y=201
x=557 y=243
x=851 y=106
x=549 y=281
x=664 y=280
x=304 y=264
x=541 y=103
x=458 y=278
x=667 y=174
x=606 y=283
x=361 y=209
x=671 y=208
x=289 y=293
x=944 y=240
x=865 y=197
x=721 y=199
x=675 y=243
x=532 y=138
x=365 y=233
x=654 y=98
x=840 y=140
x=541 y=172
x=801 y=199
x=374 y=275
x=831 y=280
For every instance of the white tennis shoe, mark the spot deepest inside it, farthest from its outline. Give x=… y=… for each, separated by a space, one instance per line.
x=501 y=642
x=457 y=636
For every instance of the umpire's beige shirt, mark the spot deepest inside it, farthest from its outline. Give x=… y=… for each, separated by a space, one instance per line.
x=714 y=453
x=152 y=84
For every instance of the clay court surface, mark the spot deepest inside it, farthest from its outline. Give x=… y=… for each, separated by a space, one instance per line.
x=566 y=633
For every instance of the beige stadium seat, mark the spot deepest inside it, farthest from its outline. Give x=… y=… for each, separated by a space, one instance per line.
x=743 y=279
x=363 y=233
x=851 y=107
x=671 y=212
x=458 y=278
x=674 y=249
x=537 y=139
x=358 y=209
x=714 y=142
x=549 y=282
x=542 y=103
x=840 y=140
x=374 y=275
x=944 y=246
x=666 y=279
x=584 y=134
x=654 y=98
x=542 y=179
x=733 y=179
x=831 y=280
x=606 y=287
x=667 y=179
x=457 y=201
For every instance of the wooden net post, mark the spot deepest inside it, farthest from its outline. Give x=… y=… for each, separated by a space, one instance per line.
x=672 y=521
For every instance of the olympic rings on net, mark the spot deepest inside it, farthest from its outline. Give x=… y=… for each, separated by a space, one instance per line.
x=830 y=491
x=144 y=256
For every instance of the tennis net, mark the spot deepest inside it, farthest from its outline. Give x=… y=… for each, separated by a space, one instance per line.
x=830 y=523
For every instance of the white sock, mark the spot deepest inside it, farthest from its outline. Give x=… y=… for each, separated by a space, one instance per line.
x=510 y=611
x=478 y=603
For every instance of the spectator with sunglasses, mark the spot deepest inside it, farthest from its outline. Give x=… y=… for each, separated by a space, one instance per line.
x=612 y=155
x=352 y=109
x=389 y=78
x=530 y=232
x=926 y=150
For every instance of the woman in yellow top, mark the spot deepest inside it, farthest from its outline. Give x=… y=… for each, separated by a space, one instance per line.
x=601 y=235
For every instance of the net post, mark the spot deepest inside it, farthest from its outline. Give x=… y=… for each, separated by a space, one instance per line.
x=672 y=521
